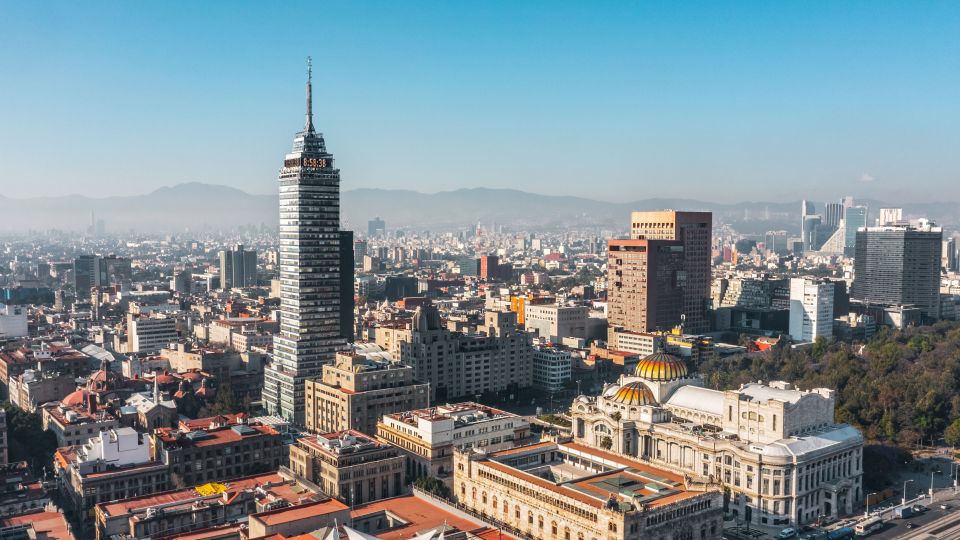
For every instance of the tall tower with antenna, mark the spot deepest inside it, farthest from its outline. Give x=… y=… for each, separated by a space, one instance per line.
x=310 y=332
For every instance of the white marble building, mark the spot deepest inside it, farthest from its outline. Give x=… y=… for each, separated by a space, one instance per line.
x=777 y=449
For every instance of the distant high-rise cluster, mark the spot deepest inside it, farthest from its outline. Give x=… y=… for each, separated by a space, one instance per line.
x=834 y=231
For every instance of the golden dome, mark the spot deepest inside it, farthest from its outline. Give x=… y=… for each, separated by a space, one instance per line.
x=661 y=366
x=634 y=393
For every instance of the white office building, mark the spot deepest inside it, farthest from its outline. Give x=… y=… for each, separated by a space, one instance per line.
x=811 y=309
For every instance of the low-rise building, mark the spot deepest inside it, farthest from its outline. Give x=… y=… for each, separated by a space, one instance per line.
x=552 y=367
x=74 y=425
x=560 y=489
x=350 y=466
x=357 y=390
x=112 y=466
x=217 y=448
x=198 y=507
x=429 y=436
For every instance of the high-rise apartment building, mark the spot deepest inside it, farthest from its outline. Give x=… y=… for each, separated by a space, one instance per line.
x=899 y=266
x=238 y=268
x=310 y=323
x=150 y=334
x=811 y=309
x=645 y=285
x=694 y=231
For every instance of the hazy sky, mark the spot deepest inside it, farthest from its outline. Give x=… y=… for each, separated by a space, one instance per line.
x=612 y=100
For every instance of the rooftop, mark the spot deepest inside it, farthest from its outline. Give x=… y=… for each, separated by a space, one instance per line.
x=45 y=525
x=271 y=485
x=462 y=414
x=342 y=442
x=631 y=482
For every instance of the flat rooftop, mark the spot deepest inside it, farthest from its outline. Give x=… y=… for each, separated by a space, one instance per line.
x=274 y=484
x=630 y=481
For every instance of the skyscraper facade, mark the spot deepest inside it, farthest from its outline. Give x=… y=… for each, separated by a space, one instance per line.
x=694 y=231
x=645 y=285
x=238 y=268
x=310 y=324
x=854 y=218
x=899 y=266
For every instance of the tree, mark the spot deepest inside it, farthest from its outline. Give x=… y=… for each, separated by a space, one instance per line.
x=952 y=434
x=432 y=485
x=27 y=439
x=225 y=403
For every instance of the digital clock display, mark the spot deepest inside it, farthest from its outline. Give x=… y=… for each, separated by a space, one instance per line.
x=316 y=163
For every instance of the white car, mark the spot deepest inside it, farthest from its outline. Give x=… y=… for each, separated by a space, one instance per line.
x=787 y=533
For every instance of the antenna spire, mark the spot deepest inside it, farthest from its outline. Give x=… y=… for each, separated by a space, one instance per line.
x=309 y=126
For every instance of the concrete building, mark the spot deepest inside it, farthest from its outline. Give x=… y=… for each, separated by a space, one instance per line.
x=215 y=449
x=350 y=466
x=694 y=231
x=74 y=425
x=811 y=309
x=562 y=489
x=357 y=390
x=4 y=439
x=171 y=513
x=552 y=367
x=238 y=268
x=899 y=266
x=777 y=449
x=35 y=387
x=428 y=436
x=645 y=285
x=150 y=334
x=13 y=321
x=114 y=465
x=310 y=262
x=554 y=322
x=455 y=364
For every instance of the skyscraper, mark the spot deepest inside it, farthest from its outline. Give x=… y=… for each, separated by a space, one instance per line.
x=238 y=268
x=899 y=266
x=86 y=270
x=310 y=331
x=694 y=231
x=645 y=285
x=854 y=218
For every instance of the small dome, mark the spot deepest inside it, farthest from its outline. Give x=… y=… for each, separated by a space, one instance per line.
x=661 y=366
x=635 y=393
x=78 y=397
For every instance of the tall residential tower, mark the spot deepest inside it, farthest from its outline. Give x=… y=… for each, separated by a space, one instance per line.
x=310 y=333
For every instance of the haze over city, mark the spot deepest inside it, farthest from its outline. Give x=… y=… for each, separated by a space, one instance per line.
x=617 y=101
x=628 y=270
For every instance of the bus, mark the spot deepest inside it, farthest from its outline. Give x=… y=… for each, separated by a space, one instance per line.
x=868 y=526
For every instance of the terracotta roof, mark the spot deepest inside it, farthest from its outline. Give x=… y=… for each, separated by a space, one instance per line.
x=47 y=525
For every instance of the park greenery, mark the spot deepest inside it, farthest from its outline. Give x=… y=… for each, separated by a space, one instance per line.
x=27 y=439
x=901 y=387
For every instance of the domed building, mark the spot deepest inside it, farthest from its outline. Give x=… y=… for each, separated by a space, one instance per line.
x=761 y=441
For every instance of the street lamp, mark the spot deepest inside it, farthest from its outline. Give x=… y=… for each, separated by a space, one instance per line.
x=866 y=513
x=904 y=503
x=954 y=468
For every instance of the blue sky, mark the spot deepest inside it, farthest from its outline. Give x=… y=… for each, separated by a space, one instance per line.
x=612 y=100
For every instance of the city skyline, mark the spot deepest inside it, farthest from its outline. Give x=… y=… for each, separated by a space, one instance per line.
x=638 y=98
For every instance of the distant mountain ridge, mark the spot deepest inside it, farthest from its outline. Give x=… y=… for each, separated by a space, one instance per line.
x=199 y=206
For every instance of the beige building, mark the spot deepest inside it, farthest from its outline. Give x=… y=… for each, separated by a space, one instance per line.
x=357 y=390
x=429 y=436
x=75 y=425
x=350 y=466
x=563 y=490
x=495 y=358
x=777 y=449
x=694 y=231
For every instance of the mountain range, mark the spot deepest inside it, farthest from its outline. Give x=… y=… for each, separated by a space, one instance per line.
x=198 y=206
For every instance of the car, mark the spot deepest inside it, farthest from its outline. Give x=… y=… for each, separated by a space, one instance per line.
x=910 y=525
x=789 y=532
x=944 y=507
